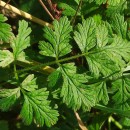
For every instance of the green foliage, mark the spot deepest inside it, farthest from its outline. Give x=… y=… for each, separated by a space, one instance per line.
x=59 y=39
x=81 y=64
x=5 y=31
x=8 y=98
x=6 y=57
x=36 y=104
x=22 y=41
x=75 y=94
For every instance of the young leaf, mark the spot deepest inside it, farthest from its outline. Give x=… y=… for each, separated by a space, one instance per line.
x=22 y=41
x=58 y=44
x=5 y=30
x=74 y=92
x=85 y=36
x=122 y=96
x=36 y=105
x=119 y=25
x=6 y=57
x=29 y=83
x=8 y=97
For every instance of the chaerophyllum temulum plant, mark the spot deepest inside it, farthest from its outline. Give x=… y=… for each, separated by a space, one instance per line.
x=82 y=66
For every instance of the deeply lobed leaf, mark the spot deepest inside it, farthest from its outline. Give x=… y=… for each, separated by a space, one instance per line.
x=85 y=36
x=22 y=41
x=58 y=44
x=5 y=30
x=8 y=97
x=74 y=92
x=36 y=105
x=122 y=95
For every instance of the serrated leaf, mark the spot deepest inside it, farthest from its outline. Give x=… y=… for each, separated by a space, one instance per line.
x=102 y=35
x=119 y=50
x=119 y=25
x=110 y=2
x=85 y=36
x=101 y=63
x=36 y=105
x=22 y=41
x=6 y=58
x=29 y=83
x=122 y=95
x=74 y=92
x=101 y=91
x=119 y=8
x=53 y=78
x=114 y=2
x=58 y=44
x=5 y=30
x=8 y=97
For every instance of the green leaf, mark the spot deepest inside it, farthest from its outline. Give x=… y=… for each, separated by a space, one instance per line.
x=69 y=10
x=5 y=30
x=119 y=50
x=22 y=41
x=53 y=78
x=101 y=91
x=36 y=105
x=58 y=44
x=85 y=36
x=6 y=58
x=29 y=83
x=102 y=35
x=126 y=121
x=113 y=110
x=100 y=63
x=122 y=95
x=8 y=97
x=119 y=8
x=114 y=2
x=74 y=92
x=119 y=25
x=110 y=2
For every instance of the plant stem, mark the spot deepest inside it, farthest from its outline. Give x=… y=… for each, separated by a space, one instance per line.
x=81 y=124
x=53 y=62
x=45 y=8
x=73 y=19
x=15 y=72
x=24 y=14
x=111 y=119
